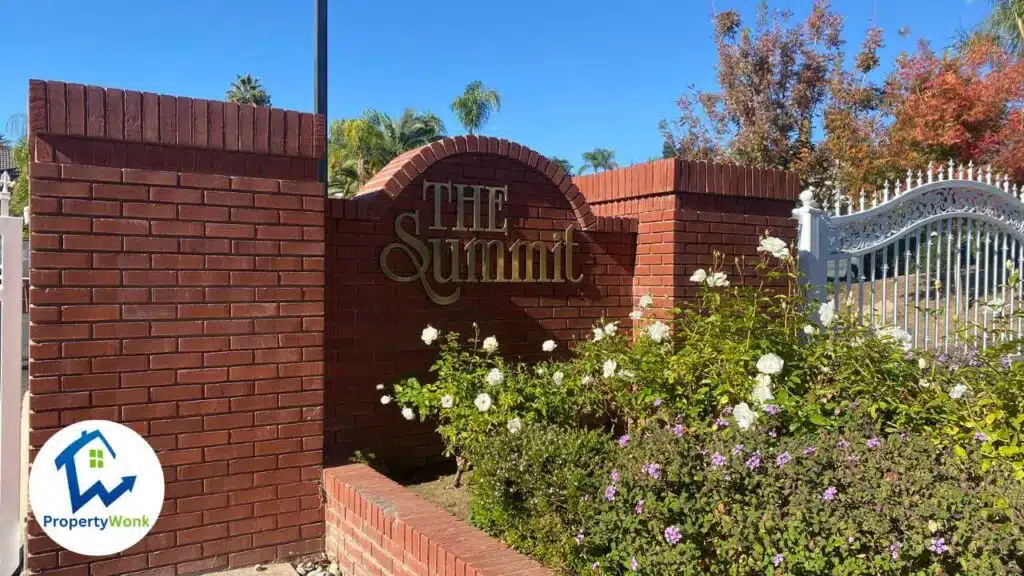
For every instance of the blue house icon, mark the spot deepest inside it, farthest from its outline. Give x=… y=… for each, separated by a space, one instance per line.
x=66 y=460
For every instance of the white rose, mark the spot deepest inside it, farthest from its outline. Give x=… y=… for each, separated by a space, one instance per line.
x=598 y=333
x=826 y=313
x=385 y=400
x=699 y=276
x=762 y=391
x=646 y=301
x=408 y=414
x=548 y=346
x=490 y=344
x=958 y=391
x=558 y=377
x=922 y=363
x=924 y=383
x=429 y=335
x=636 y=315
x=627 y=374
x=718 y=280
x=515 y=425
x=770 y=364
x=380 y=386
x=810 y=330
x=774 y=246
x=495 y=377
x=587 y=380
x=658 y=331
x=610 y=328
x=609 y=368
x=447 y=401
x=901 y=336
x=745 y=417
x=482 y=402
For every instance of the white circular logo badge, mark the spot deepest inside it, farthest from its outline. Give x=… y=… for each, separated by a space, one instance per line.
x=96 y=488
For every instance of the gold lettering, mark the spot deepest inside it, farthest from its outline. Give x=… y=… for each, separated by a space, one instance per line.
x=556 y=250
x=453 y=249
x=445 y=255
x=496 y=197
x=438 y=188
x=463 y=198
x=516 y=267
x=484 y=257
x=418 y=254
x=542 y=253
x=569 y=256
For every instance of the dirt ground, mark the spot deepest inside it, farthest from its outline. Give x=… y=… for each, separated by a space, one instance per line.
x=440 y=490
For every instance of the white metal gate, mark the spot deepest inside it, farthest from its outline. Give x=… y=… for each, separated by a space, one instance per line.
x=934 y=256
x=10 y=384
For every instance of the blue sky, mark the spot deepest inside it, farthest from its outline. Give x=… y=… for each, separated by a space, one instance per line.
x=573 y=75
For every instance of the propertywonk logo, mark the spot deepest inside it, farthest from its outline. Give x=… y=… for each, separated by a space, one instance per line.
x=96 y=488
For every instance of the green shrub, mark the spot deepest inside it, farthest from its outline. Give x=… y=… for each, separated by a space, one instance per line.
x=756 y=366
x=755 y=502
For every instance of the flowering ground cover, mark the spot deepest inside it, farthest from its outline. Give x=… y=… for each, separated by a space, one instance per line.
x=751 y=432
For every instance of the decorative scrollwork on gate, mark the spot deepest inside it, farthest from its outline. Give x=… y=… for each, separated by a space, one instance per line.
x=869 y=230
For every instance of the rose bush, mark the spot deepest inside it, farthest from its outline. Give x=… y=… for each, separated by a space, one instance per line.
x=751 y=360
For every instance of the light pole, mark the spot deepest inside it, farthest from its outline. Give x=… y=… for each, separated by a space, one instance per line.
x=320 y=82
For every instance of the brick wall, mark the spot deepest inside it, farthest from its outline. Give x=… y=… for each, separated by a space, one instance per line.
x=375 y=526
x=177 y=287
x=374 y=324
x=688 y=210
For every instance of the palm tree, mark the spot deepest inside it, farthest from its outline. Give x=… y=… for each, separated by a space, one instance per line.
x=565 y=164
x=358 y=148
x=474 y=106
x=598 y=159
x=1006 y=22
x=248 y=90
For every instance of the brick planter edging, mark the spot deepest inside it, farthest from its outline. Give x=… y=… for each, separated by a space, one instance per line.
x=376 y=526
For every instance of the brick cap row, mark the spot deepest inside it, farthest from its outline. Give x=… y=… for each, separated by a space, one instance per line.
x=401 y=171
x=396 y=513
x=94 y=112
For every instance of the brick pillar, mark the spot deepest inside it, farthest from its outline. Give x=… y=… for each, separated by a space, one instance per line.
x=687 y=211
x=177 y=288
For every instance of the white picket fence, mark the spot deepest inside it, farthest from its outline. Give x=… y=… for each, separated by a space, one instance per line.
x=10 y=384
x=933 y=255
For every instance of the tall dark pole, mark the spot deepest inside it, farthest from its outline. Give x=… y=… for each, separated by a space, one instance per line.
x=320 y=84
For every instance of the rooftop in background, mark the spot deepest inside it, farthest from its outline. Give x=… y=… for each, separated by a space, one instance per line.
x=7 y=162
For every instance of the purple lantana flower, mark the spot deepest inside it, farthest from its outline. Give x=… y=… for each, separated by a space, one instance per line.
x=829 y=494
x=609 y=493
x=727 y=411
x=980 y=437
x=810 y=451
x=639 y=508
x=874 y=443
x=633 y=564
x=754 y=462
x=894 y=550
x=652 y=470
x=679 y=430
x=938 y=545
x=615 y=475
x=657 y=402
x=777 y=559
x=623 y=440
x=782 y=459
x=579 y=537
x=737 y=450
x=842 y=444
x=717 y=460
x=673 y=535
x=721 y=423
x=771 y=409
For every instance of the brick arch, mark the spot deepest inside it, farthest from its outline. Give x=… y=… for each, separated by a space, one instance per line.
x=401 y=171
